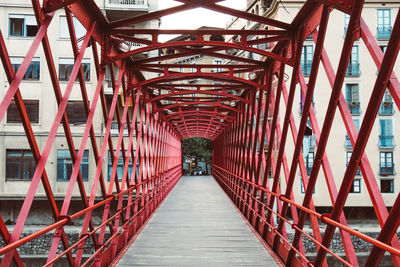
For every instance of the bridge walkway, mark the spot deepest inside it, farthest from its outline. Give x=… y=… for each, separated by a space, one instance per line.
x=197 y=225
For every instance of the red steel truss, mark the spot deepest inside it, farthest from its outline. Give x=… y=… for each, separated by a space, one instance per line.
x=238 y=105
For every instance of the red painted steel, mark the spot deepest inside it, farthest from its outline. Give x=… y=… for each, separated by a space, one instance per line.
x=237 y=104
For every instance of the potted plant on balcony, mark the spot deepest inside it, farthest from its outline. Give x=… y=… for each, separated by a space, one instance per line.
x=386 y=104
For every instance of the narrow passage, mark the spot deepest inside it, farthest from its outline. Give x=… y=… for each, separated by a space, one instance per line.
x=197 y=225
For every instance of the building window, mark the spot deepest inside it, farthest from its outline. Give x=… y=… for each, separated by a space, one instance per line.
x=353 y=69
x=66 y=65
x=65 y=165
x=217 y=62
x=302 y=188
x=33 y=71
x=384 y=28
x=22 y=25
x=386 y=165
x=20 y=164
x=348 y=142
x=383 y=48
x=306 y=59
x=309 y=161
x=353 y=98
x=32 y=109
x=80 y=31
x=303 y=99
x=348 y=157
x=386 y=107
x=120 y=166
x=387 y=186
x=76 y=112
x=346 y=22
x=356 y=186
x=386 y=138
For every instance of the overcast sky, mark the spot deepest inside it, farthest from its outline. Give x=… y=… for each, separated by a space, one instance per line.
x=196 y=18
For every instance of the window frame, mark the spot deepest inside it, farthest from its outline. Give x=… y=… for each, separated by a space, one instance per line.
x=302 y=188
x=27 y=102
x=121 y=166
x=30 y=160
x=386 y=160
x=76 y=109
x=25 y=23
x=306 y=62
x=353 y=186
x=391 y=190
x=307 y=162
x=68 y=160
x=383 y=130
x=34 y=65
x=69 y=63
x=353 y=98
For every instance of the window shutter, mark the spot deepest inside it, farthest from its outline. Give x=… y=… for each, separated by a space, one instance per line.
x=355 y=97
x=382 y=127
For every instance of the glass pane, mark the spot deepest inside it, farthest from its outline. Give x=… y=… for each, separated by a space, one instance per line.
x=16 y=27
x=64 y=71
x=13 y=168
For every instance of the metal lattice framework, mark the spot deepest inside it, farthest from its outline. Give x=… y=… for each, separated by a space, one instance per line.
x=240 y=114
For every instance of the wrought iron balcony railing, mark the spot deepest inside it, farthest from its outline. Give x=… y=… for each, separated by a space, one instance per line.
x=386 y=168
x=386 y=141
x=353 y=69
x=354 y=108
x=383 y=32
x=347 y=143
x=386 y=108
x=127 y=4
x=306 y=67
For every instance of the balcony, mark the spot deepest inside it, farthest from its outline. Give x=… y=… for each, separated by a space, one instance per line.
x=353 y=70
x=311 y=141
x=386 y=168
x=115 y=131
x=308 y=169
x=355 y=108
x=133 y=5
x=347 y=143
x=386 y=141
x=306 y=67
x=386 y=108
x=107 y=85
x=383 y=32
x=121 y=9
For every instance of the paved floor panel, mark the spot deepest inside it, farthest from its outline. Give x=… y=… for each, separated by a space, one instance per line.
x=197 y=225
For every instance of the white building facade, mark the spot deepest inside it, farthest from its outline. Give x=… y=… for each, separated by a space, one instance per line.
x=18 y=25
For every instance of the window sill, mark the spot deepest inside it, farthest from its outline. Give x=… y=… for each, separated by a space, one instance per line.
x=17 y=180
x=67 y=181
x=21 y=37
x=31 y=81
x=76 y=82
x=19 y=124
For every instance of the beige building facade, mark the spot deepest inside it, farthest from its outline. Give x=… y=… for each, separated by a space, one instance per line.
x=17 y=166
x=382 y=149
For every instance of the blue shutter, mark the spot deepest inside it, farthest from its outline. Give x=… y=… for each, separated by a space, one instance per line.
x=357 y=123
x=389 y=127
x=348 y=93
x=382 y=124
